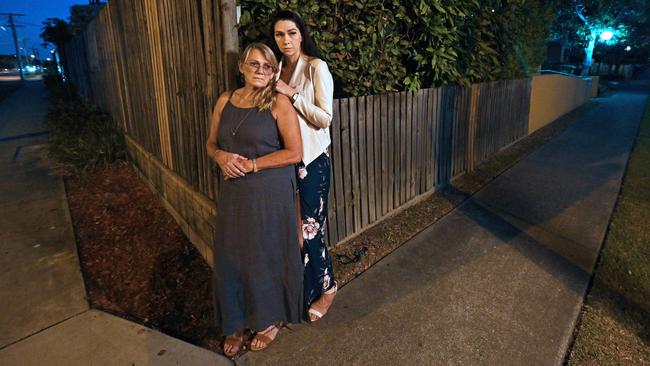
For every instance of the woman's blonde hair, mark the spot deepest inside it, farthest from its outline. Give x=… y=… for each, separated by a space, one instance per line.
x=265 y=97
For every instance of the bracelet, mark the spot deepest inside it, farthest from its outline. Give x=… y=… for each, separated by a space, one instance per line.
x=254 y=166
x=214 y=154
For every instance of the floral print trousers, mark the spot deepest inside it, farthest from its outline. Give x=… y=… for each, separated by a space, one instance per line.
x=313 y=186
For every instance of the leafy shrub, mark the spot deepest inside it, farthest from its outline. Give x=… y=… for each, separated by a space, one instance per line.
x=83 y=136
x=377 y=46
x=364 y=43
x=58 y=89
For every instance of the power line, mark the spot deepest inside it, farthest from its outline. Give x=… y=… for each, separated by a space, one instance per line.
x=29 y=25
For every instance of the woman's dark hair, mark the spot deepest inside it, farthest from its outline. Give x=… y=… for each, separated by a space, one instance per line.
x=308 y=47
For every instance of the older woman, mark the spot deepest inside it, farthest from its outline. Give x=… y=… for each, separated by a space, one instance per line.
x=306 y=79
x=255 y=140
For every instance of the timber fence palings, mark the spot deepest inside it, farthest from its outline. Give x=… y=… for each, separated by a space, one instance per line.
x=389 y=149
x=355 y=201
x=362 y=167
x=158 y=68
x=370 y=160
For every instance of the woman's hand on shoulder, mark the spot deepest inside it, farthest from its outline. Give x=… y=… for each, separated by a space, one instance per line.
x=284 y=89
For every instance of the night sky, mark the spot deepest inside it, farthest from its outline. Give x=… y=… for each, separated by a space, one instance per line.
x=36 y=11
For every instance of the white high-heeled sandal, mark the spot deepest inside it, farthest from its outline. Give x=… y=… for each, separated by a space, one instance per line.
x=317 y=314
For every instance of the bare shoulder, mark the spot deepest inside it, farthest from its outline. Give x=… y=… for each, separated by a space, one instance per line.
x=223 y=99
x=281 y=105
x=281 y=102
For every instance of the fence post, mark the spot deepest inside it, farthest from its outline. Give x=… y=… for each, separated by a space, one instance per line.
x=230 y=41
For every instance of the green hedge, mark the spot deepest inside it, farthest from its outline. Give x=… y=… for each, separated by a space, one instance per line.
x=376 y=46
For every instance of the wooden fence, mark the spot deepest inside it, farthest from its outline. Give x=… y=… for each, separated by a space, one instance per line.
x=388 y=149
x=603 y=69
x=159 y=66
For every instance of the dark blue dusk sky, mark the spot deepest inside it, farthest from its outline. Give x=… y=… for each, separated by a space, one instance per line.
x=36 y=11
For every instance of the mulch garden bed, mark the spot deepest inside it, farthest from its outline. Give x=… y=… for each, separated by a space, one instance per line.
x=138 y=264
x=136 y=261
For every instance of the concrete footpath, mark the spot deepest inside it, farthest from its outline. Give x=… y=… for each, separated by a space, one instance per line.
x=498 y=281
x=44 y=314
x=501 y=279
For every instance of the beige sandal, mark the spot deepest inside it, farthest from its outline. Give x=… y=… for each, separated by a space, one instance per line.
x=264 y=338
x=236 y=342
x=316 y=315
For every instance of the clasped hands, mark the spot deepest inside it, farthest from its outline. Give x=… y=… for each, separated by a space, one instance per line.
x=232 y=165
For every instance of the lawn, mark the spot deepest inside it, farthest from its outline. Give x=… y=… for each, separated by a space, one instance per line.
x=614 y=327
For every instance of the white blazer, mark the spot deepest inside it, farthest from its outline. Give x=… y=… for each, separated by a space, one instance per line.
x=313 y=81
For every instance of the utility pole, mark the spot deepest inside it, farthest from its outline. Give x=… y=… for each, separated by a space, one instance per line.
x=24 y=48
x=13 y=30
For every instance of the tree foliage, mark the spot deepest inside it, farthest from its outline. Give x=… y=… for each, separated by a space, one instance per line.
x=57 y=32
x=580 y=22
x=377 y=46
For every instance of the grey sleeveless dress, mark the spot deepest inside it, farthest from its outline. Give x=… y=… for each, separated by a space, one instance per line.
x=258 y=270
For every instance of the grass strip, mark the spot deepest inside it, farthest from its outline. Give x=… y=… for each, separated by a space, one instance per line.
x=614 y=326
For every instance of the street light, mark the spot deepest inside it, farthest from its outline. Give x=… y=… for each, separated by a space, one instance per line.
x=606 y=35
x=628 y=48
